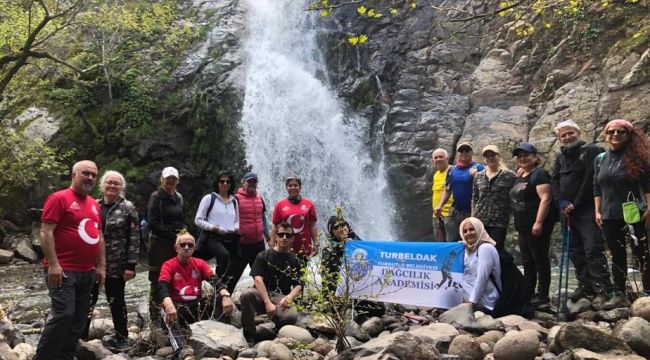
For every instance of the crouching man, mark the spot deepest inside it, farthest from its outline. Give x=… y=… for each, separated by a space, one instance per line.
x=179 y=286
x=276 y=272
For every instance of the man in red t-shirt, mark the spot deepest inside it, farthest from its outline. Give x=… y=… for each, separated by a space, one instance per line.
x=74 y=260
x=179 y=286
x=301 y=214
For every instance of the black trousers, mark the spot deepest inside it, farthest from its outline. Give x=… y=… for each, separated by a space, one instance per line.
x=535 y=258
x=114 y=288
x=67 y=316
x=225 y=248
x=497 y=234
x=615 y=234
x=587 y=252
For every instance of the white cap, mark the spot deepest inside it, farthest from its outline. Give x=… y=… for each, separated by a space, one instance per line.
x=566 y=124
x=170 y=171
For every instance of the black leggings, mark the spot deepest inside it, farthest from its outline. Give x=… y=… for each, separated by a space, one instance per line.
x=114 y=288
x=226 y=250
x=535 y=258
x=615 y=231
x=497 y=234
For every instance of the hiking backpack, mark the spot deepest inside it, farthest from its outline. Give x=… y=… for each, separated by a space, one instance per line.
x=514 y=295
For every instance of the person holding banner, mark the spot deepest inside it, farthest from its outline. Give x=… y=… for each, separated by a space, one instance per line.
x=481 y=264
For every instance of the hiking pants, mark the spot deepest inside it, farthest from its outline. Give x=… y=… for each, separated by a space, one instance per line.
x=67 y=316
x=587 y=252
x=114 y=288
x=535 y=258
x=252 y=304
x=615 y=231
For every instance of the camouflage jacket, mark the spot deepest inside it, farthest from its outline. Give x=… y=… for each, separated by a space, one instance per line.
x=121 y=237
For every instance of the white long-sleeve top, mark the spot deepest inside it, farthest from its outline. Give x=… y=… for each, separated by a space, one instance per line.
x=225 y=215
x=477 y=286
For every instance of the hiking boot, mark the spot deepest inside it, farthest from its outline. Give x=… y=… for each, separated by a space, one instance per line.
x=539 y=300
x=117 y=343
x=616 y=300
x=580 y=293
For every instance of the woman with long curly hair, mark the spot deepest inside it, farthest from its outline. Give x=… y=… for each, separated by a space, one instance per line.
x=622 y=175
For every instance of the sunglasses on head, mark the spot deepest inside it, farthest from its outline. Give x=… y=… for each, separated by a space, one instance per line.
x=616 y=132
x=186 y=245
x=285 y=235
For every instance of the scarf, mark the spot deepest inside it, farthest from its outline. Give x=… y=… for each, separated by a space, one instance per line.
x=481 y=235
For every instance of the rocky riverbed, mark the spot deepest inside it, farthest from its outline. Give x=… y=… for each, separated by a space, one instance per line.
x=457 y=333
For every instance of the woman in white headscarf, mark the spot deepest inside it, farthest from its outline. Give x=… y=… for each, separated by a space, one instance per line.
x=482 y=268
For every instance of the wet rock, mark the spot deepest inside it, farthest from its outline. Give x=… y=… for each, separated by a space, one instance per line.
x=636 y=333
x=24 y=251
x=373 y=326
x=99 y=327
x=213 y=338
x=91 y=350
x=575 y=336
x=466 y=347
x=353 y=329
x=321 y=346
x=460 y=315
x=641 y=308
x=296 y=334
x=24 y=351
x=6 y=256
x=517 y=345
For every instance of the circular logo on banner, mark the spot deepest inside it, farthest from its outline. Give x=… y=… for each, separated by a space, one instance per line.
x=360 y=266
x=88 y=232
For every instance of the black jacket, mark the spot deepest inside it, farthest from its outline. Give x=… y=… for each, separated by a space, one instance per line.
x=573 y=175
x=165 y=214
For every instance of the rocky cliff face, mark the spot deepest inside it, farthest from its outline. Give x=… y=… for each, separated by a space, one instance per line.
x=486 y=90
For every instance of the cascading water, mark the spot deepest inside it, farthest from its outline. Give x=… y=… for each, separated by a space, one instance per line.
x=293 y=123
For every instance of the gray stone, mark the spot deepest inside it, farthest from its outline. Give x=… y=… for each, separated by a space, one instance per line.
x=353 y=329
x=491 y=337
x=320 y=325
x=584 y=354
x=99 y=327
x=5 y=352
x=641 y=308
x=10 y=333
x=512 y=321
x=373 y=326
x=517 y=345
x=321 y=346
x=93 y=349
x=165 y=351
x=371 y=347
x=265 y=331
x=279 y=351
x=6 y=256
x=574 y=336
x=436 y=331
x=460 y=315
x=636 y=333
x=38 y=123
x=296 y=334
x=578 y=306
x=613 y=315
x=466 y=347
x=24 y=351
x=213 y=338
x=24 y=251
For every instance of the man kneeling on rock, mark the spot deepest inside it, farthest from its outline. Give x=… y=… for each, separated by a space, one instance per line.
x=277 y=283
x=180 y=288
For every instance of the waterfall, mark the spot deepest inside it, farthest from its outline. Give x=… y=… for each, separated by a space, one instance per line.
x=293 y=123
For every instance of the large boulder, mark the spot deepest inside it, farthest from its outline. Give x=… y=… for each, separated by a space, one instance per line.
x=636 y=333
x=574 y=336
x=24 y=251
x=213 y=339
x=517 y=345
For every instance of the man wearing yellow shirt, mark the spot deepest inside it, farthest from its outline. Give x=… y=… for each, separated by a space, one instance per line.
x=441 y=163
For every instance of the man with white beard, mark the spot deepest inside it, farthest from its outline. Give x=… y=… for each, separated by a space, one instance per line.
x=572 y=189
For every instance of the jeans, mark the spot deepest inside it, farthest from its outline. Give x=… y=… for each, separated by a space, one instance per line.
x=252 y=304
x=455 y=218
x=451 y=230
x=615 y=231
x=587 y=252
x=67 y=316
x=114 y=288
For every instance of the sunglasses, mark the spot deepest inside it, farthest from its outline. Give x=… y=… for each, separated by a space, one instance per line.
x=224 y=181
x=186 y=245
x=285 y=235
x=616 y=132
x=464 y=150
x=338 y=227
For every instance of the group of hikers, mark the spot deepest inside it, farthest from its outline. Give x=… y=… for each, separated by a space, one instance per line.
x=600 y=197
x=89 y=243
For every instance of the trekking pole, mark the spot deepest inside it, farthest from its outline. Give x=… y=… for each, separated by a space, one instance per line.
x=565 y=309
